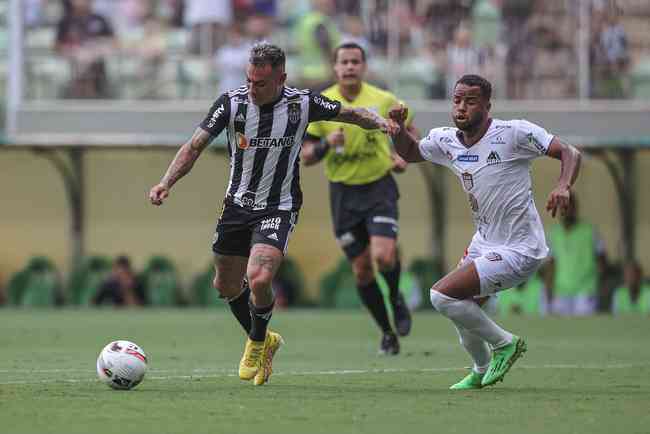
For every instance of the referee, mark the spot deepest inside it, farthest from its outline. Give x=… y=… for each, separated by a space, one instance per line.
x=363 y=193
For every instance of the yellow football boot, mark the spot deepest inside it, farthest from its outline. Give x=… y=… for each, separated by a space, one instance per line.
x=251 y=361
x=272 y=343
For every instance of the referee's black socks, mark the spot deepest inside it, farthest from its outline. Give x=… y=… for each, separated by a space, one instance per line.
x=392 y=279
x=373 y=299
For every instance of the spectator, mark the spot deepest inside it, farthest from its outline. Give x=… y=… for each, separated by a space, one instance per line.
x=353 y=31
x=259 y=28
x=317 y=35
x=634 y=295
x=462 y=57
x=444 y=16
x=609 y=57
x=85 y=38
x=231 y=60
x=578 y=263
x=33 y=13
x=148 y=46
x=122 y=288
x=207 y=20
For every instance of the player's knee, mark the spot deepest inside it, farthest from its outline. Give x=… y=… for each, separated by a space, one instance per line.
x=442 y=303
x=385 y=260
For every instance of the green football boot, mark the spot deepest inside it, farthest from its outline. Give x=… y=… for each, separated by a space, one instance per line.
x=502 y=360
x=472 y=381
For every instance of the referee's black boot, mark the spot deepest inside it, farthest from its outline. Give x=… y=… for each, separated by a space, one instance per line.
x=389 y=344
x=401 y=315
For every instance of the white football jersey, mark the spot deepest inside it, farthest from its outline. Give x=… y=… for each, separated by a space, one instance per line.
x=495 y=174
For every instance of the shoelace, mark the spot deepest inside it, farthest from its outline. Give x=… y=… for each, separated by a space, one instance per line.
x=254 y=354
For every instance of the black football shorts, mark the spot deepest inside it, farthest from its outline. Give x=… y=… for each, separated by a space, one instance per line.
x=239 y=228
x=361 y=211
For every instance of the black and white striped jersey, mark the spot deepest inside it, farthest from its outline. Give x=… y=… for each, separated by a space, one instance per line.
x=264 y=144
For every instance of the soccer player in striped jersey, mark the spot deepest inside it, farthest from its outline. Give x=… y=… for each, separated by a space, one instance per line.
x=492 y=159
x=265 y=122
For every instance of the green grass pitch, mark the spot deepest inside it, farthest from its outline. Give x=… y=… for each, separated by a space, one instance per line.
x=583 y=375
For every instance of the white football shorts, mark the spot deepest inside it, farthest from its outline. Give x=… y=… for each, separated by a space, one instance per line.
x=500 y=268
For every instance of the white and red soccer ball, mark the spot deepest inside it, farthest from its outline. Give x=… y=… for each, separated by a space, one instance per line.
x=121 y=365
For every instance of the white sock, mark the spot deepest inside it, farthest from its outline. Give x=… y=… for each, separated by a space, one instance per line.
x=469 y=315
x=477 y=348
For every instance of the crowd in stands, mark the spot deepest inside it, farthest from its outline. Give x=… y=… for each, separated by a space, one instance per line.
x=189 y=48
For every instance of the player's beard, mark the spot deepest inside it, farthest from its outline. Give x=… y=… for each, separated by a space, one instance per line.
x=471 y=124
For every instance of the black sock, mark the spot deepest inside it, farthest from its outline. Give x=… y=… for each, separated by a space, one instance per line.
x=373 y=299
x=392 y=279
x=239 y=308
x=260 y=320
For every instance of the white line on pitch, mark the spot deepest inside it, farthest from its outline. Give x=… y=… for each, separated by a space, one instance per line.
x=230 y=373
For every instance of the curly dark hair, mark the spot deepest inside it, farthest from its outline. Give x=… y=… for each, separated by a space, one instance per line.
x=477 y=80
x=264 y=53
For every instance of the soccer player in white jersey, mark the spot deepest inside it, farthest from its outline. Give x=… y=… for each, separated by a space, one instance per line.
x=492 y=159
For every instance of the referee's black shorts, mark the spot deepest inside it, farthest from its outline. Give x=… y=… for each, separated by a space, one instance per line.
x=360 y=211
x=239 y=228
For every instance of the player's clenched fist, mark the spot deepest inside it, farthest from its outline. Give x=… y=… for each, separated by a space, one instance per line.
x=399 y=114
x=558 y=199
x=158 y=194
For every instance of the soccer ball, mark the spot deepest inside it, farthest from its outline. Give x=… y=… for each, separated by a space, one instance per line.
x=121 y=365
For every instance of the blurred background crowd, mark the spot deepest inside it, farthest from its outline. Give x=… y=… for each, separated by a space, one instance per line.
x=196 y=48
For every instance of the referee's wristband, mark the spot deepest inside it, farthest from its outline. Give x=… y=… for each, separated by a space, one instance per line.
x=320 y=150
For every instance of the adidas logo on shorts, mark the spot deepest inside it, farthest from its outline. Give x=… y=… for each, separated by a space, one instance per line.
x=273 y=236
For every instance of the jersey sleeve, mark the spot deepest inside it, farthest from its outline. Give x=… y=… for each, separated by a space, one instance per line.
x=322 y=108
x=531 y=140
x=430 y=148
x=218 y=117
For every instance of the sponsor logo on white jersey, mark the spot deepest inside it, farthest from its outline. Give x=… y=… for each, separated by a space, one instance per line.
x=468 y=158
x=493 y=158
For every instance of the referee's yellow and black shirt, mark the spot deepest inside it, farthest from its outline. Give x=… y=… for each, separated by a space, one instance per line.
x=366 y=156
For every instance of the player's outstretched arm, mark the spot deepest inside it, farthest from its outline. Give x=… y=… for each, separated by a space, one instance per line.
x=365 y=119
x=180 y=165
x=405 y=140
x=570 y=158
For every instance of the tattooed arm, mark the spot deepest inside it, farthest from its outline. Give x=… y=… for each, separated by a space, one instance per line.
x=365 y=119
x=180 y=165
